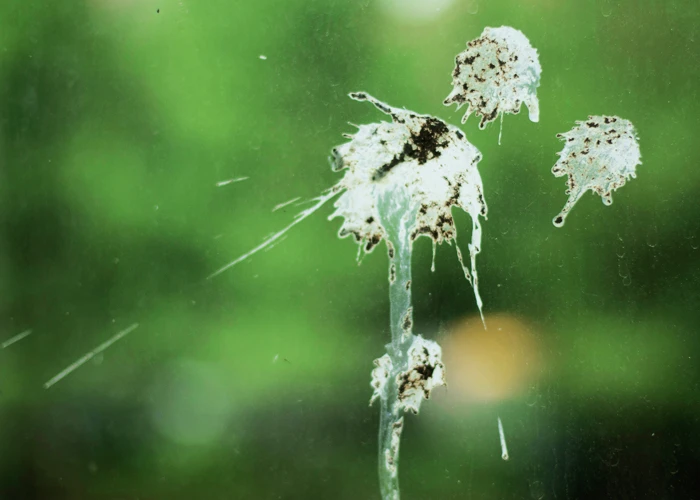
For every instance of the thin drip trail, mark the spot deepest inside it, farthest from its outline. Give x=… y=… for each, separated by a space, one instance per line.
x=398 y=213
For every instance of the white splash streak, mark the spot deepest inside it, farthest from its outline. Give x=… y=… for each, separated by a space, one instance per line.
x=16 y=338
x=504 y=448
x=231 y=181
x=299 y=217
x=264 y=58
x=284 y=204
x=90 y=355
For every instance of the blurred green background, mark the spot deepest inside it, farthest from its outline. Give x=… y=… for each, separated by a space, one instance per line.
x=119 y=117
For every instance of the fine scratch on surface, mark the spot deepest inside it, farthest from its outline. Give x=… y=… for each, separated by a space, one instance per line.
x=90 y=355
x=231 y=181
x=504 y=448
x=16 y=338
x=286 y=203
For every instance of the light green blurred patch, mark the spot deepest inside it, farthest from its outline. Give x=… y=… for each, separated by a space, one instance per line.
x=612 y=357
x=106 y=179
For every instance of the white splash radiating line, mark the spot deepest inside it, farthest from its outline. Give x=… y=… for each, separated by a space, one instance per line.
x=504 y=448
x=299 y=217
x=284 y=204
x=90 y=355
x=231 y=181
x=16 y=338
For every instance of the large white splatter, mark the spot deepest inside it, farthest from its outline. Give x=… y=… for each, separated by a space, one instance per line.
x=496 y=74
x=600 y=155
x=420 y=154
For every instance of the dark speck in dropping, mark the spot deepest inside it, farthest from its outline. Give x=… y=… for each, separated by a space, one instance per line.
x=421 y=146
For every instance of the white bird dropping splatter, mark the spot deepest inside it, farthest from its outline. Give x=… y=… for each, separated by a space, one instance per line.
x=425 y=371
x=600 y=155
x=504 y=448
x=496 y=74
x=431 y=161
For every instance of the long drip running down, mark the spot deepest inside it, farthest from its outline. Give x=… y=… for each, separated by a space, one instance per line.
x=330 y=193
x=412 y=366
x=473 y=278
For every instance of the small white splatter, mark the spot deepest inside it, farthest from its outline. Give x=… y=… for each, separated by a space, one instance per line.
x=380 y=376
x=16 y=338
x=496 y=74
x=423 y=372
x=262 y=57
x=231 y=181
x=600 y=155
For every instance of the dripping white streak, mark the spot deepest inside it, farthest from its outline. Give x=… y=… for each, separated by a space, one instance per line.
x=16 y=338
x=299 y=217
x=472 y=277
x=504 y=448
x=231 y=181
x=284 y=204
x=500 y=133
x=90 y=355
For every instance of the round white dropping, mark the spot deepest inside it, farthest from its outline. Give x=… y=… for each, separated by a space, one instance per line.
x=600 y=155
x=420 y=155
x=496 y=74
